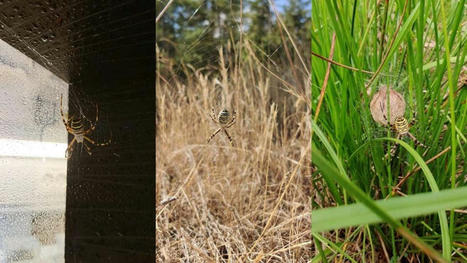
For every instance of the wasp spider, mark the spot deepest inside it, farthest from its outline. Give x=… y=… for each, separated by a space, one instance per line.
x=401 y=127
x=225 y=120
x=77 y=127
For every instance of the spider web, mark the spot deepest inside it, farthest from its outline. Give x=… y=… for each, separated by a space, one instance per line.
x=80 y=104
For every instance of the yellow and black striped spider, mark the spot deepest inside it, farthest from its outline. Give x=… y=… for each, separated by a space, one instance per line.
x=77 y=126
x=225 y=120
x=401 y=127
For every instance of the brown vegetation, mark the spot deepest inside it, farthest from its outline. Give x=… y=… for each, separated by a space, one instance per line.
x=249 y=202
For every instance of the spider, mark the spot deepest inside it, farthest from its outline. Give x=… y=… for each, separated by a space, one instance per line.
x=401 y=127
x=76 y=127
x=225 y=120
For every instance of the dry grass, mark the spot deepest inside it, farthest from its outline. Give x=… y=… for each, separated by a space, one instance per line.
x=250 y=202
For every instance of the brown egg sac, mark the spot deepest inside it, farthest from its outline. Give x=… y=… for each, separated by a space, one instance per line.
x=378 y=106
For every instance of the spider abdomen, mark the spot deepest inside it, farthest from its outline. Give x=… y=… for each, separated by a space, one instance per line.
x=80 y=127
x=79 y=138
x=401 y=125
x=77 y=127
x=224 y=117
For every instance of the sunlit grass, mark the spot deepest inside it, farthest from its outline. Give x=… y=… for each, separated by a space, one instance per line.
x=240 y=203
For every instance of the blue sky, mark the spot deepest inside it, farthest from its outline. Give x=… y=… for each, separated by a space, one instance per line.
x=283 y=3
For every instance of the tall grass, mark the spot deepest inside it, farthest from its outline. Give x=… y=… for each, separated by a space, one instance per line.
x=249 y=202
x=417 y=48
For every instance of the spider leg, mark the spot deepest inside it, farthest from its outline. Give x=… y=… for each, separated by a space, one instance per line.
x=92 y=128
x=105 y=143
x=69 y=149
x=393 y=150
x=228 y=136
x=89 y=140
x=412 y=122
x=97 y=144
x=69 y=130
x=214 y=134
x=417 y=142
x=61 y=111
x=231 y=121
x=93 y=125
x=213 y=115
x=88 y=149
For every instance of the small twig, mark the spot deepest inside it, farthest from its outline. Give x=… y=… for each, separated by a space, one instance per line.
x=403 y=252
x=340 y=64
x=163 y=10
x=460 y=245
x=341 y=257
x=384 y=247
x=410 y=173
x=168 y=200
x=445 y=99
x=401 y=193
x=326 y=77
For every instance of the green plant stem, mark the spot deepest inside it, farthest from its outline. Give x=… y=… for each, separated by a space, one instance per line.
x=453 y=122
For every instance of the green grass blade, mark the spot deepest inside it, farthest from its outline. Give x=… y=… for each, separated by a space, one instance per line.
x=334 y=157
x=333 y=246
x=328 y=170
x=404 y=31
x=398 y=207
x=425 y=64
x=358 y=194
x=445 y=233
x=340 y=176
x=328 y=147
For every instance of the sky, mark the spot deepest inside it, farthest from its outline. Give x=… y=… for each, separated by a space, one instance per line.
x=281 y=4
